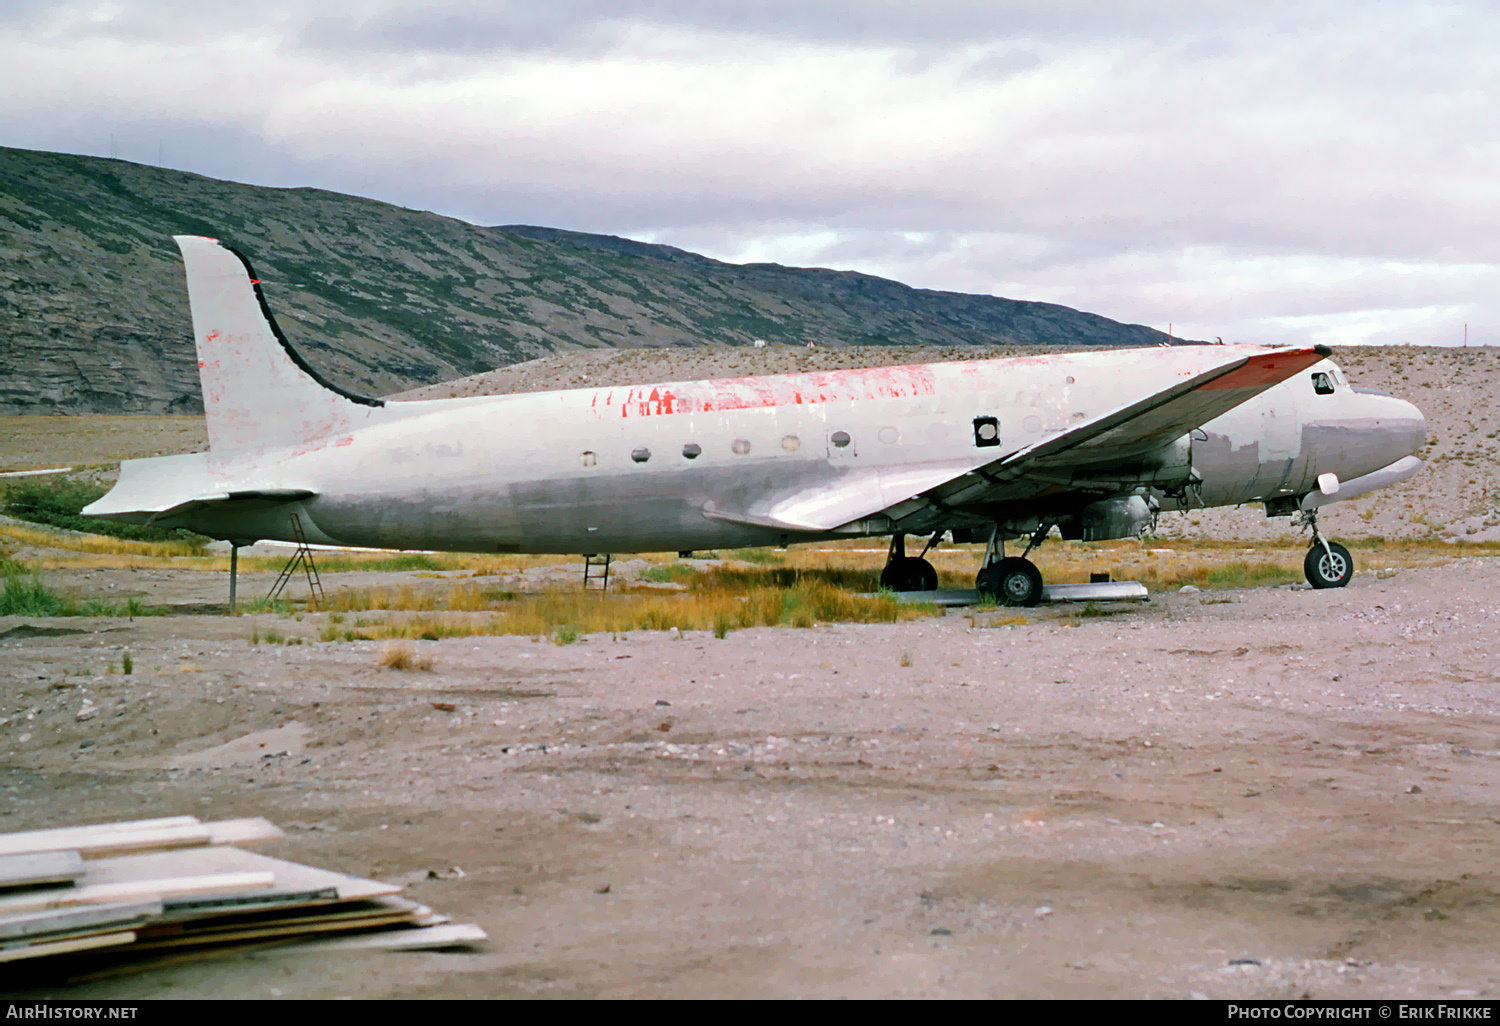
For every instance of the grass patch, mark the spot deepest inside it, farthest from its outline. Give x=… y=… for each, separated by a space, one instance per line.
x=670 y=573
x=97 y=544
x=23 y=594
x=28 y=596
x=60 y=504
x=566 y=617
x=397 y=656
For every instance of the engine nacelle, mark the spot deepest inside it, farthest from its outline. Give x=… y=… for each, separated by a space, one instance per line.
x=1111 y=518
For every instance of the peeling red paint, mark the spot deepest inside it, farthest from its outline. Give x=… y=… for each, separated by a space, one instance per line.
x=1262 y=371
x=764 y=392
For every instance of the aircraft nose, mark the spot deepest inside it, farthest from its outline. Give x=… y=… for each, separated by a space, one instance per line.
x=1404 y=425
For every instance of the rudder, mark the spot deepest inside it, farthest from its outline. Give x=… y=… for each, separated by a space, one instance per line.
x=258 y=392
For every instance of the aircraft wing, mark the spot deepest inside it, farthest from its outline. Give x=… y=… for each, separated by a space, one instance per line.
x=1139 y=427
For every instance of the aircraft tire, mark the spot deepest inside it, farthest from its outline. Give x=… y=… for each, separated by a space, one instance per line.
x=909 y=574
x=1331 y=569
x=1013 y=582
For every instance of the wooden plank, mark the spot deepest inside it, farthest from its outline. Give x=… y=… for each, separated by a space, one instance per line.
x=310 y=918
x=290 y=876
x=53 y=839
x=423 y=939
x=250 y=830
x=128 y=890
x=85 y=918
x=175 y=910
x=96 y=843
x=104 y=840
x=62 y=947
x=329 y=925
x=33 y=869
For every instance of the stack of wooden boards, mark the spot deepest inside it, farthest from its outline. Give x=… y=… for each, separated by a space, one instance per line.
x=139 y=890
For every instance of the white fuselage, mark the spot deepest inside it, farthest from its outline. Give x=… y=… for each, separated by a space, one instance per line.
x=643 y=468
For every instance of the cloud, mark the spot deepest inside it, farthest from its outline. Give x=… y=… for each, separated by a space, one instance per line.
x=1285 y=172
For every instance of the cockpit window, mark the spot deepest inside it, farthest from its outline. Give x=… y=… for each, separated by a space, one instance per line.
x=1322 y=383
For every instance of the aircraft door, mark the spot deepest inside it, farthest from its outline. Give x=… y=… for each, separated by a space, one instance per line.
x=1280 y=443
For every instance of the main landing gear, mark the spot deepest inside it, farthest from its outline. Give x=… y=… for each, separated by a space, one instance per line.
x=908 y=573
x=1328 y=564
x=1011 y=580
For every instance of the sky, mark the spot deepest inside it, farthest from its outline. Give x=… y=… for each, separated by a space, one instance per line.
x=1314 y=171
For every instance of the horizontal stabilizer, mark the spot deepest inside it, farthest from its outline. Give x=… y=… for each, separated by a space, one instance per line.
x=166 y=485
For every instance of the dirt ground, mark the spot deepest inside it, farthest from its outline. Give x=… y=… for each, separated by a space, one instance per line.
x=1119 y=805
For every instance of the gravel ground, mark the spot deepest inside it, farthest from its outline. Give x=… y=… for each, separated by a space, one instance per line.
x=1260 y=793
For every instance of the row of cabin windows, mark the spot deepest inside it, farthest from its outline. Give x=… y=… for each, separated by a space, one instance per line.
x=986 y=433
x=692 y=450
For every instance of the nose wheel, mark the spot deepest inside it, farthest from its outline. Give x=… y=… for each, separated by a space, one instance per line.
x=1328 y=564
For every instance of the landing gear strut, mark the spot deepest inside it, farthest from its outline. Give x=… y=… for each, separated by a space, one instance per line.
x=1011 y=580
x=908 y=573
x=1328 y=564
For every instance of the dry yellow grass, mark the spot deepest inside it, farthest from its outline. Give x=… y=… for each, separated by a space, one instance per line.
x=567 y=616
x=397 y=656
x=98 y=544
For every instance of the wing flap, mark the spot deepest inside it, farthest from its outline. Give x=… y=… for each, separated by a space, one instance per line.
x=855 y=495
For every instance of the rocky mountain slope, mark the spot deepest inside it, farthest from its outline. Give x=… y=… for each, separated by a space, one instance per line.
x=93 y=312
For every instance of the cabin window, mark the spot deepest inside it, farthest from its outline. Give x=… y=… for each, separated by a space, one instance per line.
x=588 y=459
x=740 y=447
x=1322 y=384
x=986 y=432
x=840 y=439
x=692 y=451
x=641 y=455
x=888 y=435
x=791 y=443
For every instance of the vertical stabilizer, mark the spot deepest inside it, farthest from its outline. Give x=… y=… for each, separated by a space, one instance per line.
x=258 y=392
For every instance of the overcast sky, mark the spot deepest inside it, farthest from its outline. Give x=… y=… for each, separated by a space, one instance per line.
x=1269 y=172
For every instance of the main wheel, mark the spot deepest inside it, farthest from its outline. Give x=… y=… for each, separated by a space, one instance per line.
x=1013 y=582
x=1328 y=569
x=909 y=574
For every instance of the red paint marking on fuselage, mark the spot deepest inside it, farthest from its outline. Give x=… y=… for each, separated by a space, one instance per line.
x=766 y=392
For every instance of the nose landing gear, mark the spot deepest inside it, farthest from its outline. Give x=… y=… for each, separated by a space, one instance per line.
x=1328 y=564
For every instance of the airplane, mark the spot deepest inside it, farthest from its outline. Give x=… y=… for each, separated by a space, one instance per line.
x=1093 y=443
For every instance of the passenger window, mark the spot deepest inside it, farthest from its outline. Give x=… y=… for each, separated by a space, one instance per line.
x=692 y=451
x=641 y=455
x=1322 y=384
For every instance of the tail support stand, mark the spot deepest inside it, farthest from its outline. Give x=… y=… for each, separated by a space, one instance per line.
x=234 y=571
x=302 y=560
x=596 y=568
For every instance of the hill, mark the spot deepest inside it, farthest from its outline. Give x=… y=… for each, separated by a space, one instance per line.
x=93 y=312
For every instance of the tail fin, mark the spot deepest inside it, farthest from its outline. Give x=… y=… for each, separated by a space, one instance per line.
x=258 y=392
